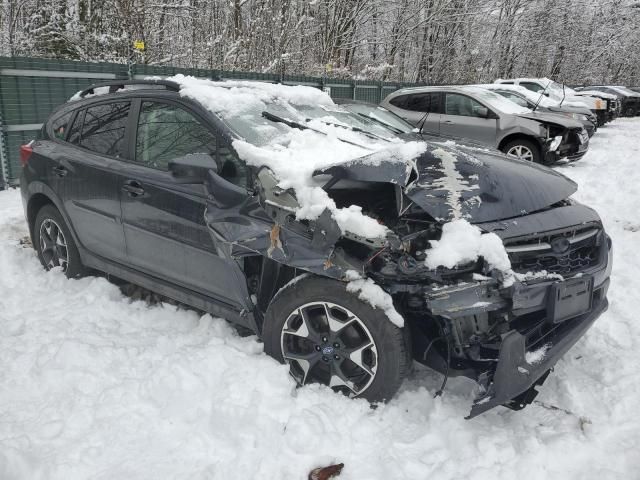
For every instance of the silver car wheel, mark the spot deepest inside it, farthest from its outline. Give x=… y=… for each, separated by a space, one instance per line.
x=521 y=152
x=53 y=245
x=325 y=343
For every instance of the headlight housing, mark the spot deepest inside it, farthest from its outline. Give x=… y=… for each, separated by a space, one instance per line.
x=555 y=143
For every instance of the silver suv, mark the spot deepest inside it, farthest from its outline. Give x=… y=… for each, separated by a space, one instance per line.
x=484 y=116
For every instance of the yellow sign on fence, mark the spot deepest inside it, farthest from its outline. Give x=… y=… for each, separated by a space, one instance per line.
x=138 y=45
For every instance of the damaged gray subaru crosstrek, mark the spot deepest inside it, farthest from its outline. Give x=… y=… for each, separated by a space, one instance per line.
x=318 y=229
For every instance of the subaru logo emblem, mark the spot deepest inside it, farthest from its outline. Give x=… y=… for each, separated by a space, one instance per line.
x=327 y=350
x=560 y=245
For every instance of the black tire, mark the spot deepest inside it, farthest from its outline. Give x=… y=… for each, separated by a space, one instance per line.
x=536 y=156
x=392 y=356
x=49 y=216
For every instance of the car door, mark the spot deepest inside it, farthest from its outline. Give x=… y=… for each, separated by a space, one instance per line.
x=163 y=220
x=467 y=118
x=87 y=179
x=419 y=109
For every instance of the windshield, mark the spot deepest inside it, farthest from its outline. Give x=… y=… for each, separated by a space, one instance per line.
x=381 y=116
x=252 y=126
x=497 y=101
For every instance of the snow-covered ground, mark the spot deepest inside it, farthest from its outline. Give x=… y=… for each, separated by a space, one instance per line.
x=94 y=385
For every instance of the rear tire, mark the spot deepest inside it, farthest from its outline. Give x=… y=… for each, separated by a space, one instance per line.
x=337 y=339
x=524 y=150
x=54 y=243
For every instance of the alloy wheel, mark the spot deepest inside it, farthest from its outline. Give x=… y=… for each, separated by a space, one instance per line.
x=53 y=245
x=326 y=343
x=521 y=152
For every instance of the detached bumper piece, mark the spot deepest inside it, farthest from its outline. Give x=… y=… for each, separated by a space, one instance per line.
x=527 y=356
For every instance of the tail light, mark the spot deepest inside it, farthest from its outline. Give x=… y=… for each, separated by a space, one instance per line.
x=25 y=153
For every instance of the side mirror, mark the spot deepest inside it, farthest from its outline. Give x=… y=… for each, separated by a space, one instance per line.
x=192 y=168
x=546 y=94
x=483 y=112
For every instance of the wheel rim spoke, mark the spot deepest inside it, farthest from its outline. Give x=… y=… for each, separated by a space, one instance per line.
x=356 y=357
x=306 y=362
x=340 y=379
x=306 y=328
x=336 y=325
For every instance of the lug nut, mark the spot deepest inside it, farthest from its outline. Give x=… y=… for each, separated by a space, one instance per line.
x=325 y=359
x=317 y=348
x=324 y=339
x=336 y=345
x=336 y=357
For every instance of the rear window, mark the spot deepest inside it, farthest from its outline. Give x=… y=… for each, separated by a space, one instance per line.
x=104 y=128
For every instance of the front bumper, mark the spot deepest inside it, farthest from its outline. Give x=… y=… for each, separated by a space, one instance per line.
x=504 y=375
x=514 y=380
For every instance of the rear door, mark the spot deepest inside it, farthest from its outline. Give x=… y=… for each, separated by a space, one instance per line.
x=466 y=117
x=87 y=179
x=163 y=220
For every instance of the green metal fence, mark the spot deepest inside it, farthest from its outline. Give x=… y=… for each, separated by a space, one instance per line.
x=30 y=88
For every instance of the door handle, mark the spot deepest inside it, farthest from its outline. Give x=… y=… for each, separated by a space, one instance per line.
x=133 y=188
x=60 y=171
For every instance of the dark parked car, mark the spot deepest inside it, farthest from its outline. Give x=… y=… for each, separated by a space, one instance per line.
x=486 y=117
x=145 y=181
x=629 y=99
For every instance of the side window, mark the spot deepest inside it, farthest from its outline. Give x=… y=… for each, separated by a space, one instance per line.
x=60 y=124
x=104 y=128
x=457 y=104
x=399 y=101
x=167 y=132
x=76 y=128
x=423 y=102
x=534 y=87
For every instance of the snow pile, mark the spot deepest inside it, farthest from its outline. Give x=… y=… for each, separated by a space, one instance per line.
x=93 y=385
x=462 y=243
x=374 y=295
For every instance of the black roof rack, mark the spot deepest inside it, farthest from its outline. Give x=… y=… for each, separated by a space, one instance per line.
x=116 y=85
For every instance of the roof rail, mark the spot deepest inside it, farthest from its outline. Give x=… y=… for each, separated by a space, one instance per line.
x=116 y=85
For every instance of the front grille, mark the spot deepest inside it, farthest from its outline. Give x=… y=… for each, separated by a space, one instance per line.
x=565 y=253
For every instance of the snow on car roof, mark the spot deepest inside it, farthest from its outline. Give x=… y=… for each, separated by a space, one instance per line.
x=528 y=94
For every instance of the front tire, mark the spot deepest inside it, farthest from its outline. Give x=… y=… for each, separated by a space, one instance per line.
x=54 y=243
x=328 y=335
x=524 y=150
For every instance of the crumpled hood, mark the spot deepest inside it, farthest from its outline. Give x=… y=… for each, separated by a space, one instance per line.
x=474 y=184
x=552 y=118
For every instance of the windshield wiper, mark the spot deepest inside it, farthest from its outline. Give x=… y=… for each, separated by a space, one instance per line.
x=300 y=126
x=395 y=130
x=354 y=129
